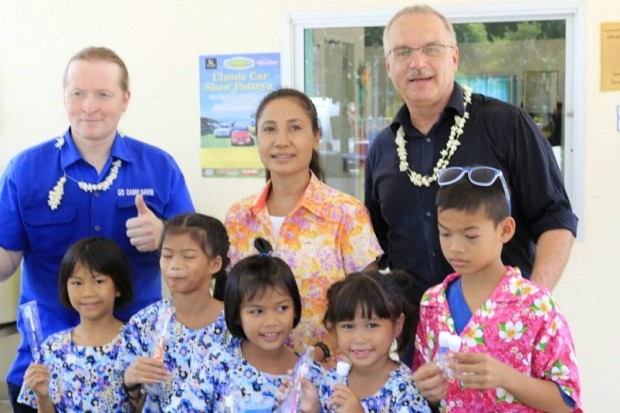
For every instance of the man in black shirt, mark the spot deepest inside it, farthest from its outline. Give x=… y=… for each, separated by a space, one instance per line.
x=442 y=123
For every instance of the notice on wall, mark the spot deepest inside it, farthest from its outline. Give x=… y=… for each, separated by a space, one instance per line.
x=231 y=87
x=610 y=58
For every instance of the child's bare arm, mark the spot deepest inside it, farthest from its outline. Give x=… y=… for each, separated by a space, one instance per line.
x=309 y=397
x=345 y=400
x=37 y=378
x=482 y=371
x=144 y=370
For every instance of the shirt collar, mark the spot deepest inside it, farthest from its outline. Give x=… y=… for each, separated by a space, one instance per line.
x=509 y=288
x=311 y=199
x=454 y=105
x=70 y=153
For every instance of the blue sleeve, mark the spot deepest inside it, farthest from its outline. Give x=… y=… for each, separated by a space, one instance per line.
x=12 y=233
x=180 y=201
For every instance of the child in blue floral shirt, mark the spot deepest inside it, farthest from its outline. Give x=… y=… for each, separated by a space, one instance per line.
x=162 y=357
x=80 y=369
x=366 y=312
x=262 y=306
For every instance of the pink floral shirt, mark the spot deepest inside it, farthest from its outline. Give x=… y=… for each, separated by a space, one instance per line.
x=326 y=236
x=520 y=325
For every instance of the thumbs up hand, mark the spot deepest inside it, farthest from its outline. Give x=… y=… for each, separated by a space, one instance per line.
x=144 y=231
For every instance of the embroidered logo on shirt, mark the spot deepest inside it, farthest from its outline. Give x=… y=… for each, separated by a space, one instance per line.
x=136 y=191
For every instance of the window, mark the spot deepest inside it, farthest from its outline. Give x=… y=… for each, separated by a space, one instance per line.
x=523 y=56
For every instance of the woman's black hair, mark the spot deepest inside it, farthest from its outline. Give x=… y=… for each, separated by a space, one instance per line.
x=250 y=278
x=99 y=256
x=210 y=234
x=308 y=107
x=375 y=295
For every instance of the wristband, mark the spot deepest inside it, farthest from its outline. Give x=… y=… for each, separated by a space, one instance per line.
x=129 y=389
x=326 y=353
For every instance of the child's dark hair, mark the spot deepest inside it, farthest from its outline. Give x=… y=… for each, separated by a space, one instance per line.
x=306 y=104
x=375 y=295
x=466 y=196
x=97 y=255
x=210 y=234
x=251 y=277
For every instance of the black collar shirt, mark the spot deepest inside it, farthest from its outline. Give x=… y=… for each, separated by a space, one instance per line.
x=496 y=134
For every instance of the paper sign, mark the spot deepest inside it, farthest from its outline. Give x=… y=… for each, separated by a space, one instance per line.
x=610 y=56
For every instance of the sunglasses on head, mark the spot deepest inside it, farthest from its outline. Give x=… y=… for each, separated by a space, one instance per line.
x=477 y=175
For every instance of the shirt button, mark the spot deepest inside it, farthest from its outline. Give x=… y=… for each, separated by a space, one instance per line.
x=432 y=253
x=428 y=214
x=97 y=228
x=96 y=194
x=428 y=140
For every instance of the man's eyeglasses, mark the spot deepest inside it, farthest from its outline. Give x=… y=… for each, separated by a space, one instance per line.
x=405 y=53
x=478 y=175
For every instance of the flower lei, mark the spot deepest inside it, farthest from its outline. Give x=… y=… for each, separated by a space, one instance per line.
x=55 y=195
x=453 y=142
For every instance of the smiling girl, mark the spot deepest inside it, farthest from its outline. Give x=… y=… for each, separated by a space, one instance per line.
x=366 y=313
x=80 y=368
x=262 y=307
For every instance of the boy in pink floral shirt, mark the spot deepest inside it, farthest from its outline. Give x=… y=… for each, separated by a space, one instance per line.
x=517 y=353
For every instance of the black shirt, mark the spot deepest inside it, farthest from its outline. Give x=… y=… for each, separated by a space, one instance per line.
x=496 y=134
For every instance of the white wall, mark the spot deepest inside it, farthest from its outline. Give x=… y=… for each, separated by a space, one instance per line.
x=161 y=40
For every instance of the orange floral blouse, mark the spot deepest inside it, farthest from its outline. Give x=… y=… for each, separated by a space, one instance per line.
x=326 y=236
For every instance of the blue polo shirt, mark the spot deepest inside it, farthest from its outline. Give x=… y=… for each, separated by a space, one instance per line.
x=496 y=134
x=28 y=224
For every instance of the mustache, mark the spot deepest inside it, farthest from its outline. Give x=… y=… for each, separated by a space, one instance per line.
x=414 y=74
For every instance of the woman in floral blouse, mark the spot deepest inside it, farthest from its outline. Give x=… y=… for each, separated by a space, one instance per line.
x=320 y=232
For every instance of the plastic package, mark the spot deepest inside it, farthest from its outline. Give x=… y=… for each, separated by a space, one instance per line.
x=448 y=343
x=454 y=344
x=30 y=312
x=444 y=339
x=165 y=315
x=159 y=341
x=293 y=399
x=342 y=372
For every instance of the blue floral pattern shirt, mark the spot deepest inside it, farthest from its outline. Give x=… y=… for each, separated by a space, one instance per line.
x=254 y=390
x=398 y=395
x=185 y=352
x=82 y=378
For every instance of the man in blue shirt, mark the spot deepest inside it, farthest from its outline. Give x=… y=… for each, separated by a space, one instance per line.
x=441 y=124
x=89 y=181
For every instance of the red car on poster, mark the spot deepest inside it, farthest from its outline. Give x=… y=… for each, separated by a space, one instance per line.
x=241 y=136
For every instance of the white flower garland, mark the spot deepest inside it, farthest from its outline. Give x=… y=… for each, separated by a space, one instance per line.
x=55 y=195
x=453 y=142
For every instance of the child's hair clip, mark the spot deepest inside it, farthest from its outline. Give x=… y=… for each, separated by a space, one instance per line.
x=263 y=247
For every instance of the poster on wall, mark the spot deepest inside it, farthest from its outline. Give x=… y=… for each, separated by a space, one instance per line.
x=231 y=87
x=610 y=58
